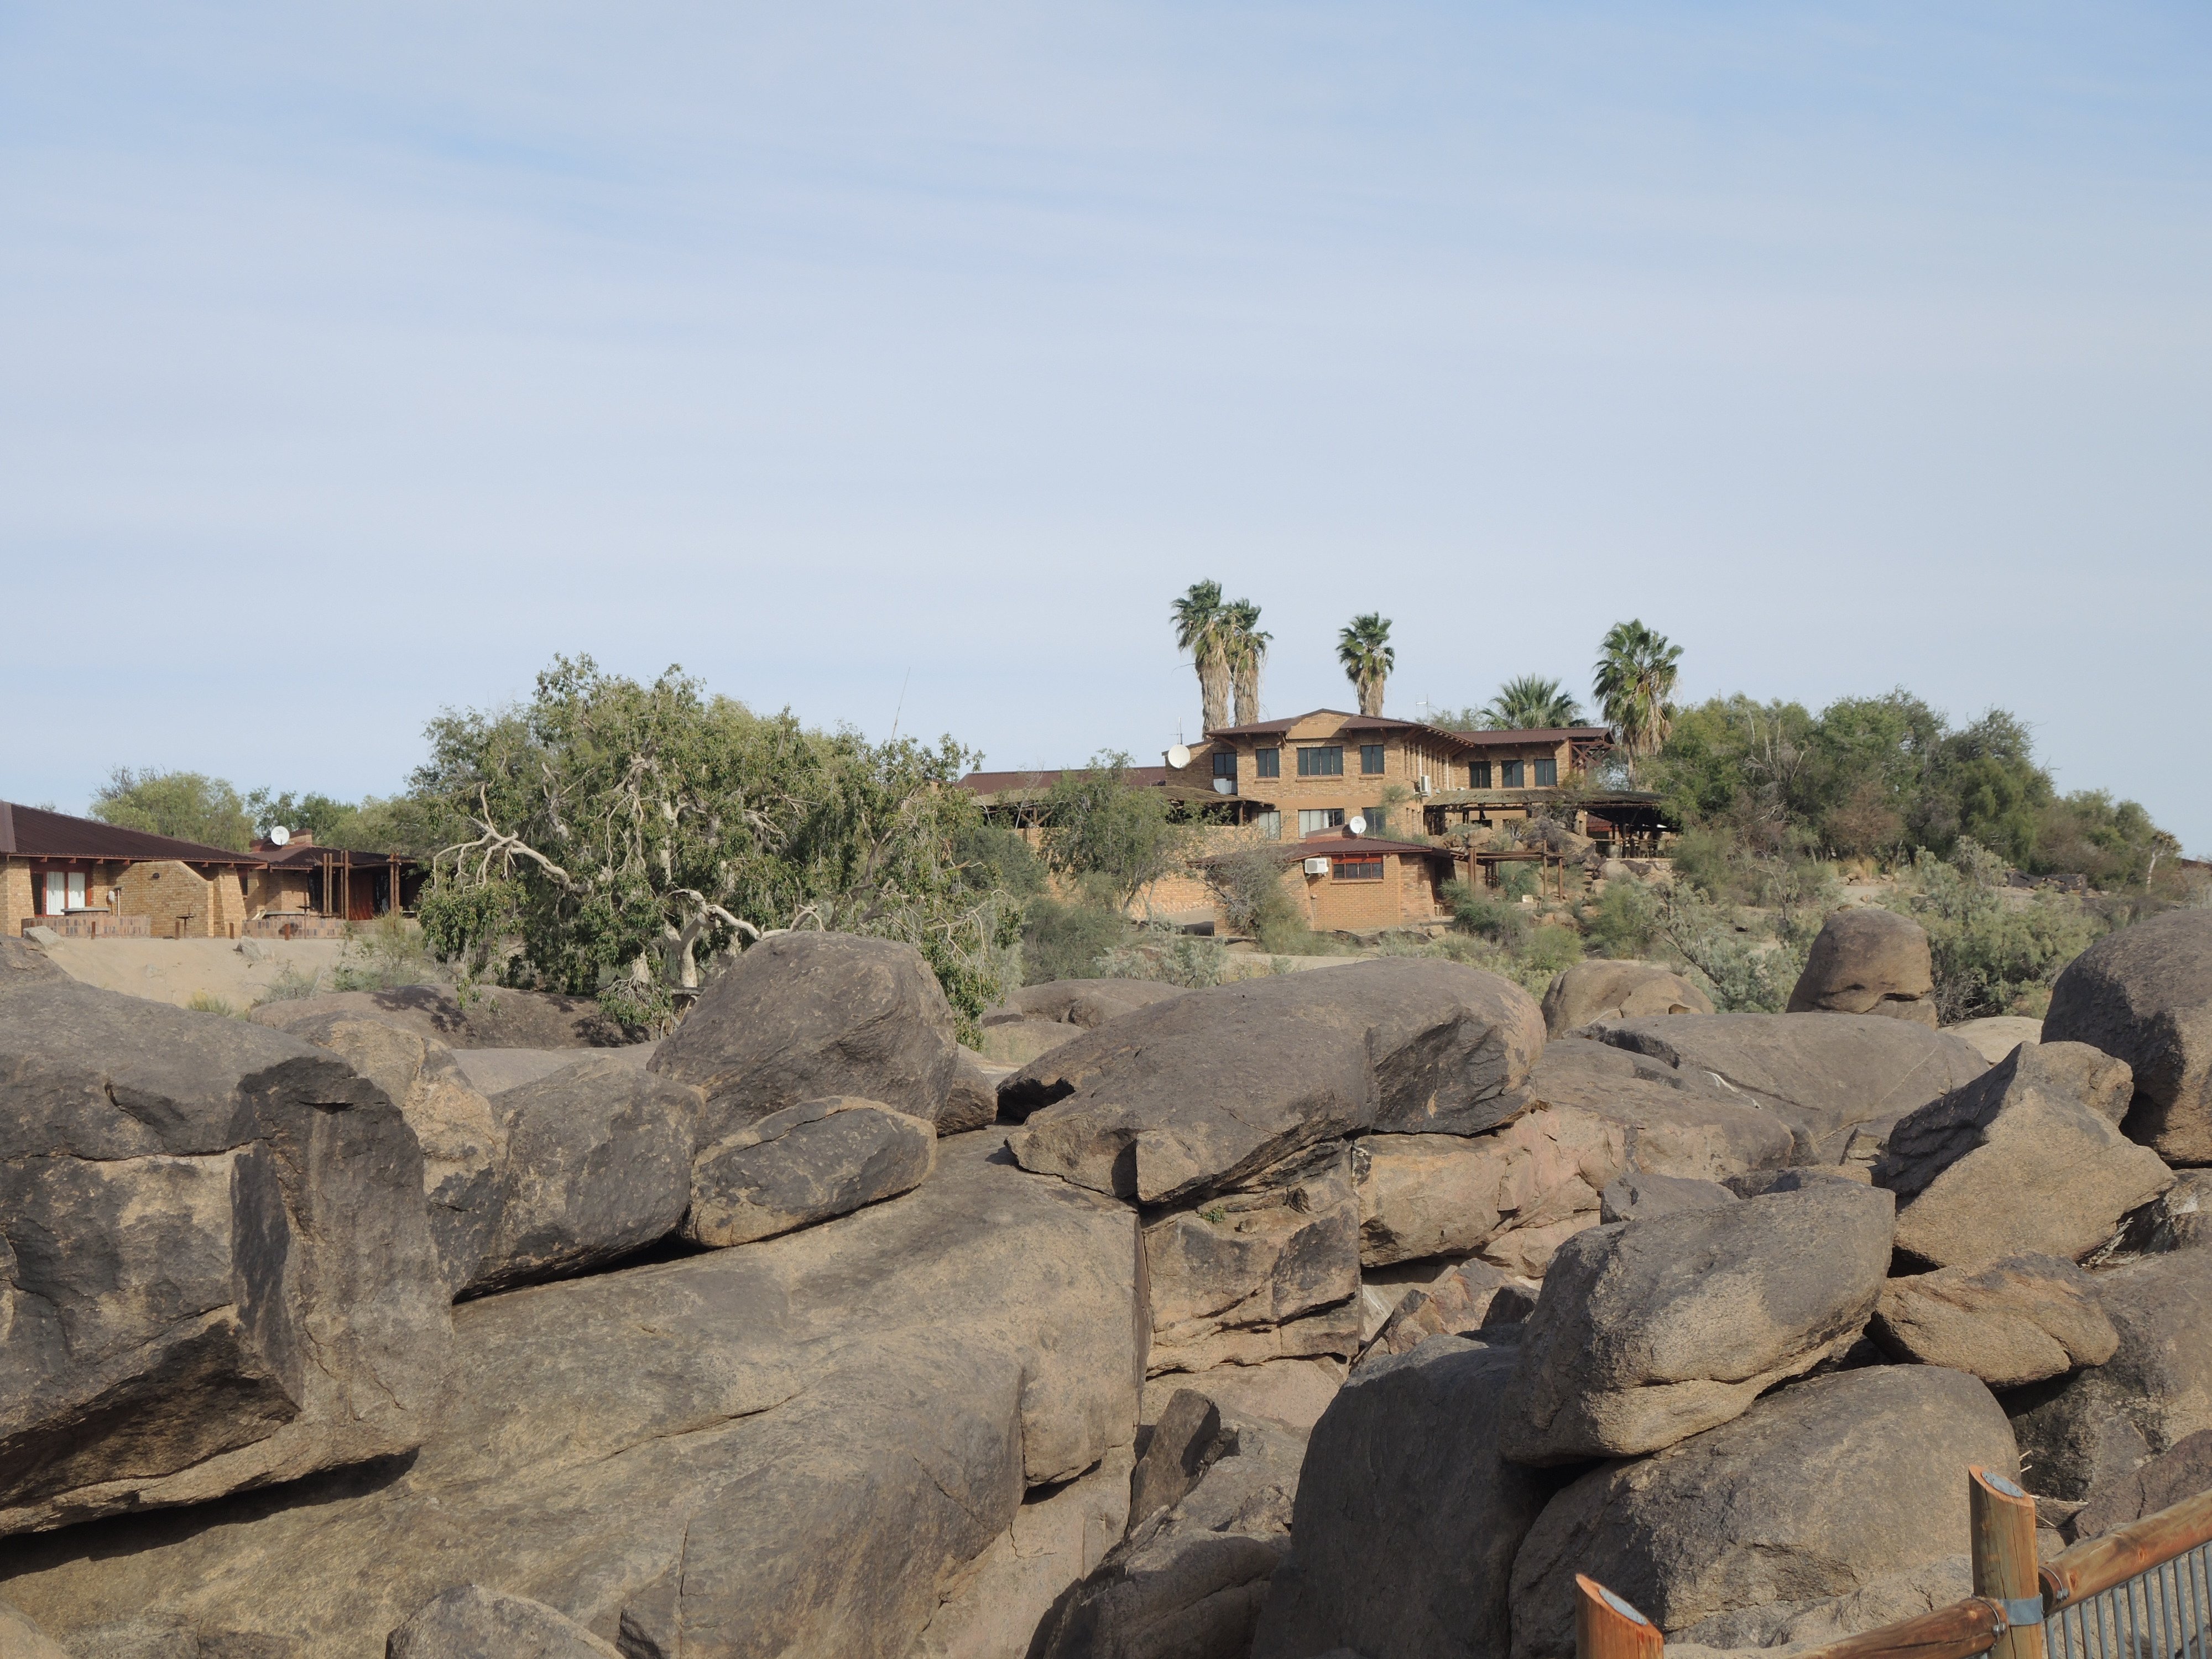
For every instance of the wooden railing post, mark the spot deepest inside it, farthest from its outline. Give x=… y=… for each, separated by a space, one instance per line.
x=2004 y=1539
x=1607 y=1627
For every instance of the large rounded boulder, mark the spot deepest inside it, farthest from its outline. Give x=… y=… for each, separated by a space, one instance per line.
x=2144 y=995
x=1618 y=990
x=1869 y=961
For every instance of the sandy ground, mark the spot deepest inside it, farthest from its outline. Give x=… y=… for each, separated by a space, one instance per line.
x=239 y=971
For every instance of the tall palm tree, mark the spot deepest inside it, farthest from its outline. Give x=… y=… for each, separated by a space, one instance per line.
x=1531 y=703
x=1201 y=628
x=1634 y=679
x=1247 y=651
x=1364 y=650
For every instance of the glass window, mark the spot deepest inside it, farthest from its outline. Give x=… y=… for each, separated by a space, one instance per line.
x=1378 y=819
x=1271 y=825
x=1548 y=774
x=1313 y=819
x=64 y=891
x=1478 y=774
x=1268 y=762
x=1356 y=869
x=1224 y=762
x=1322 y=762
x=1514 y=774
x=1370 y=758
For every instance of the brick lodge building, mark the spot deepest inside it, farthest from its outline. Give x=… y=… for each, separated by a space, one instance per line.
x=1361 y=808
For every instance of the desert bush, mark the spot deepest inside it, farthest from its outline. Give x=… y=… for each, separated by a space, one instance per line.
x=1100 y=826
x=1247 y=884
x=1168 y=954
x=1065 y=940
x=387 y=953
x=1745 y=970
x=290 y=985
x=999 y=857
x=1627 y=924
x=1478 y=911
x=206 y=1002
x=1991 y=957
x=1550 y=949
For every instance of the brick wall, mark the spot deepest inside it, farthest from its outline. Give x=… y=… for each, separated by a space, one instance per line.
x=164 y=890
x=16 y=903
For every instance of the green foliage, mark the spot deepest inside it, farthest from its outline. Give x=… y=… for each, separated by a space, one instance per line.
x=1519 y=880
x=1992 y=953
x=1169 y=955
x=1065 y=941
x=386 y=953
x=2114 y=844
x=1248 y=885
x=1744 y=970
x=1531 y=703
x=188 y=806
x=1628 y=924
x=1549 y=949
x=206 y=1002
x=1478 y=911
x=1634 y=680
x=290 y=985
x=399 y=824
x=993 y=855
x=1101 y=827
x=1364 y=649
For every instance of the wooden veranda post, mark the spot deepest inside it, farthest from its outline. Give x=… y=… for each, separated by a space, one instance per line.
x=1607 y=1627
x=2003 y=1538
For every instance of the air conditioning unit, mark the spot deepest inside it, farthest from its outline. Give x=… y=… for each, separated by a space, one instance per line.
x=1423 y=787
x=1317 y=867
x=1224 y=786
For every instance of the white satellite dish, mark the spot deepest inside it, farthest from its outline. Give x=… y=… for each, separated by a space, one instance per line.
x=1179 y=756
x=1356 y=824
x=279 y=836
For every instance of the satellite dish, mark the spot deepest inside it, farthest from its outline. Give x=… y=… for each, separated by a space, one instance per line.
x=279 y=836
x=1179 y=756
x=1356 y=824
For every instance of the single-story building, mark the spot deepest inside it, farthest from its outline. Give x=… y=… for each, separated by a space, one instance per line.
x=85 y=878
x=1359 y=884
x=300 y=879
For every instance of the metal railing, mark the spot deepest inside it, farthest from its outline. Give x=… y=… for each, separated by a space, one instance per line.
x=2143 y=1591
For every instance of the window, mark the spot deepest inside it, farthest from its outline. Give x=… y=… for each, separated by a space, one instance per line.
x=1356 y=869
x=1513 y=770
x=1266 y=763
x=1548 y=774
x=1271 y=825
x=1478 y=774
x=1224 y=762
x=1322 y=762
x=62 y=890
x=1315 y=819
x=1370 y=758
x=1378 y=819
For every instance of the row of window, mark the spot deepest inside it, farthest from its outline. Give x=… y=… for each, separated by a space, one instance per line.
x=1326 y=761
x=1514 y=774
x=1313 y=819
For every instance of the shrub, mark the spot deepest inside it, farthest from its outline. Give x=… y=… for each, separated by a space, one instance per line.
x=1065 y=941
x=206 y=1002
x=1476 y=912
x=1627 y=924
x=1991 y=957
x=1169 y=955
x=1519 y=881
x=1551 y=949
x=290 y=985
x=388 y=953
x=999 y=857
x=1248 y=884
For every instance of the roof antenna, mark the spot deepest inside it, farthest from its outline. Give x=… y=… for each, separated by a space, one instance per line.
x=900 y=709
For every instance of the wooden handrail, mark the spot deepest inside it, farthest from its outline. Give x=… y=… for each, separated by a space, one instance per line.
x=1607 y=1627
x=1957 y=1631
x=2003 y=1519
x=2098 y=1564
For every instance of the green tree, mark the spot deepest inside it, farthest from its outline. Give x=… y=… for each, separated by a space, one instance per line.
x=1363 y=648
x=188 y=806
x=1246 y=648
x=1202 y=628
x=1531 y=703
x=1102 y=829
x=1634 y=681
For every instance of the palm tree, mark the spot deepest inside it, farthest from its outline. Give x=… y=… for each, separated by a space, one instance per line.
x=1201 y=628
x=1634 y=681
x=1364 y=650
x=1531 y=703
x=1247 y=651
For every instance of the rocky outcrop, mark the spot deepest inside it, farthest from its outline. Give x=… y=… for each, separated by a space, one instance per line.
x=1472 y=1299
x=215 y=1268
x=1407 y=1519
x=1270 y=1271
x=1995 y=1035
x=2179 y=1218
x=494 y=1071
x=1617 y=990
x=972 y=1101
x=1829 y=1076
x=1680 y=1122
x=801 y=1445
x=1639 y=1197
x=1869 y=961
x=2181 y=1471
x=2083 y=1432
x=470 y=1622
x=803 y=1165
x=2018 y=1321
x=2017 y=1162
x=24 y=965
x=1650 y=1332
x=492 y=1018
x=2144 y=995
x=19 y=1637
x=1424 y=1195
x=1727 y=1520
x=597 y=1165
x=802 y=1017
x=1195 y=1094
x=1088 y=1003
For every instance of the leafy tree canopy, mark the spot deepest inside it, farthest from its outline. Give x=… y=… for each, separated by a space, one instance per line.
x=186 y=804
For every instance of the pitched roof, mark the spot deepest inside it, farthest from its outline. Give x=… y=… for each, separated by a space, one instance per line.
x=32 y=832
x=1337 y=844
x=1554 y=735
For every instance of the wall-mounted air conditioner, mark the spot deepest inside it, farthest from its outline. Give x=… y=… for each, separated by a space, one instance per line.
x=1317 y=867
x=1423 y=787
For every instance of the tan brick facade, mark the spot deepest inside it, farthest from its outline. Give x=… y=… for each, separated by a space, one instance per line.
x=15 y=901
x=179 y=902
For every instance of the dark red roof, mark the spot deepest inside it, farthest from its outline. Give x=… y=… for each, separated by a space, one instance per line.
x=311 y=857
x=30 y=832
x=997 y=783
x=1337 y=844
x=1384 y=723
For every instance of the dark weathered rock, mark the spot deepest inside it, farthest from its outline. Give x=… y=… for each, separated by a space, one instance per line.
x=1757 y=1183
x=1407 y=1519
x=1424 y=1195
x=1830 y=1075
x=1888 y=1600
x=494 y=1071
x=1869 y=961
x=215 y=1268
x=1679 y=1124
x=1649 y=1332
x=1190 y=1580
x=1194 y=1094
x=2144 y=995
x=463 y=1142
x=470 y=1622
x=494 y=1018
x=1617 y=990
x=23 y=965
x=1088 y=1003
x=2016 y=1163
x=972 y=1101
x=2179 y=1218
x=805 y=1016
x=1471 y=1298
x=1819 y=1489
x=1995 y=1035
x=1639 y=1197
x=1182 y=1446
x=2181 y=1471
x=798 y=1446
x=803 y=1165
x=2016 y=1321
x=2084 y=1430
x=1268 y=1272
x=597 y=1165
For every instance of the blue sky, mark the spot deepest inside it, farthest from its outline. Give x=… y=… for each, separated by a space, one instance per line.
x=357 y=361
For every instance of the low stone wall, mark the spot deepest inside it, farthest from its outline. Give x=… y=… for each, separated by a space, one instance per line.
x=290 y=924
